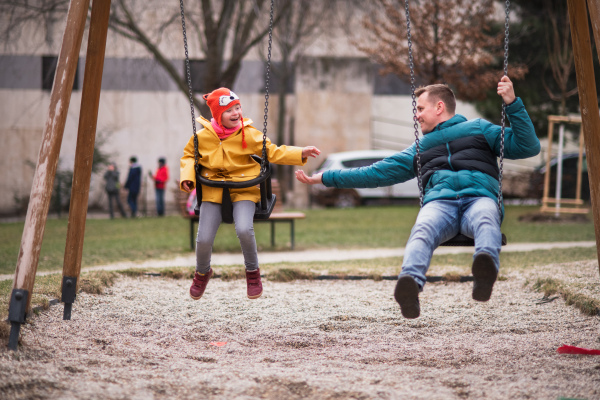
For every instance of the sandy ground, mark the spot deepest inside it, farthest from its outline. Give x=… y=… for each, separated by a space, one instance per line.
x=146 y=339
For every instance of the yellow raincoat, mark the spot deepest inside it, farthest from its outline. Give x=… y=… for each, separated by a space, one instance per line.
x=226 y=160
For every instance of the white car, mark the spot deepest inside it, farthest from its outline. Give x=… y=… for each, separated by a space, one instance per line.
x=327 y=196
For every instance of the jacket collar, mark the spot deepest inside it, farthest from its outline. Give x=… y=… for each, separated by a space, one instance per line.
x=456 y=119
x=207 y=125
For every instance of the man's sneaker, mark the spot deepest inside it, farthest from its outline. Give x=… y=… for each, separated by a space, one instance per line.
x=407 y=295
x=199 y=284
x=254 y=284
x=484 y=275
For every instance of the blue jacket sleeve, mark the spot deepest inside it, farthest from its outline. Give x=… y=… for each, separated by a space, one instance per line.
x=389 y=171
x=520 y=140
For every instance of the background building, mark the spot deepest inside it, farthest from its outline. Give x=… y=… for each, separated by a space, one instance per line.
x=336 y=100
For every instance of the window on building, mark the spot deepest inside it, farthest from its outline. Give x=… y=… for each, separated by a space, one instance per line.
x=49 y=64
x=276 y=76
x=198 y=71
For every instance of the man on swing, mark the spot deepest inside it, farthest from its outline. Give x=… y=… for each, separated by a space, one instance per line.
x=460 y=185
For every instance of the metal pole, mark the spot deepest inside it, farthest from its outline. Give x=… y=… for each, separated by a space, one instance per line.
x=588 y=101
x=545 y=199
x=84 y=153
x=559 y=168
x=41 y=190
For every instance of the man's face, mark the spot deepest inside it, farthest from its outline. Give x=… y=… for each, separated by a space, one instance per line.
x=428 y=113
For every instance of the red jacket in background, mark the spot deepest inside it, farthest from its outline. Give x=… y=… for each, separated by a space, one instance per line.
x=161 y=177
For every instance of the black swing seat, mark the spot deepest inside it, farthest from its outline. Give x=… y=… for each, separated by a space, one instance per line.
x=267 y=199
x=462 y=240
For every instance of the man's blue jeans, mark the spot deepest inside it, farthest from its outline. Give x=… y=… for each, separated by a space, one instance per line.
x=441 y=220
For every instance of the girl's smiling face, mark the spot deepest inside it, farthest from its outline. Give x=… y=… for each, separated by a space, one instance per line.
x=232 y=117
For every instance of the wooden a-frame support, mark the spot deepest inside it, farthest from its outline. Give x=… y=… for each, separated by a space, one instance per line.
x=45 y=172
x=588 y=100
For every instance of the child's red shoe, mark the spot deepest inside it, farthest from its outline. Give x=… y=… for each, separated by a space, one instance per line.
x=254 y=284
x=199 y=284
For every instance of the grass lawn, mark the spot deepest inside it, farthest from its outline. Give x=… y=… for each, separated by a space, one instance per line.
x=108 y=241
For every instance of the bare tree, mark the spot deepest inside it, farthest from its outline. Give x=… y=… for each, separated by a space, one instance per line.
x=560 y=53
x=452 y=40
x=299 y=28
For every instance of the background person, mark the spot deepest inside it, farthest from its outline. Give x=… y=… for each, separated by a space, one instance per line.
x=112 y=186
x=160 y=181
x=133 y=185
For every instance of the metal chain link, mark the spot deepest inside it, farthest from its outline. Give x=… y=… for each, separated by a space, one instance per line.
x=189 y=83
x=264 y=150
x=503 y=115
x=414 y=101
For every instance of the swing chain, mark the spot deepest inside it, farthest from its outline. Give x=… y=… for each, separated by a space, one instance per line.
x=414 y=101
x=503 y=116
x=268 y=69
x=189 y=83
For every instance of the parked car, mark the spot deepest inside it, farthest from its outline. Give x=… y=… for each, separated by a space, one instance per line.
x=569 y=179
x=320 y=194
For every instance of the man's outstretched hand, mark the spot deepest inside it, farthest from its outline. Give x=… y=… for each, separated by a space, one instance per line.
x=311 y=180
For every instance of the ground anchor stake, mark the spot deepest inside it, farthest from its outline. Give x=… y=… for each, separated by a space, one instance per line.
x=17 y=312
x=69 y=292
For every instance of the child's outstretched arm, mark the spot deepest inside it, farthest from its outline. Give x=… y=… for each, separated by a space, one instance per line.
x=310 y=151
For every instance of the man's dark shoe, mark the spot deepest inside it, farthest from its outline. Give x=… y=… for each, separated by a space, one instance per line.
x=484 y=276
x=254 y=284
x=199 y=284
x=407 y=295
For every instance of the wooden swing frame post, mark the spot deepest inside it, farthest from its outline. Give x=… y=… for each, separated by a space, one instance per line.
x=577 y=202
x=41 y=190
x=84 y=153
x=586 y=82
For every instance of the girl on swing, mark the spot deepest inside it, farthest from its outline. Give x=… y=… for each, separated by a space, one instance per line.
x=226 y=144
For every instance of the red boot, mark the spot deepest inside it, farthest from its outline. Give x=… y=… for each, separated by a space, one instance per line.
x=199 y=284
x=254 y=284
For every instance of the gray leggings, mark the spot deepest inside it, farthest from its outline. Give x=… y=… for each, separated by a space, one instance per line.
x=210 y=219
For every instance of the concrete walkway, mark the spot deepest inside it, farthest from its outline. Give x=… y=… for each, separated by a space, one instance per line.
x=310 y=255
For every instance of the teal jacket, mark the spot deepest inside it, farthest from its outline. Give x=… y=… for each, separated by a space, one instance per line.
x=453 y=170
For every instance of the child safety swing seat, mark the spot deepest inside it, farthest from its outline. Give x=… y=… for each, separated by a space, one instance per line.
x=460 y=239
x=267 y=199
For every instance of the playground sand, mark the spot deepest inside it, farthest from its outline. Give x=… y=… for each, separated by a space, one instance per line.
x=146 y=339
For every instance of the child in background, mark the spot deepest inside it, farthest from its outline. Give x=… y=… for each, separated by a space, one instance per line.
x=226 y=144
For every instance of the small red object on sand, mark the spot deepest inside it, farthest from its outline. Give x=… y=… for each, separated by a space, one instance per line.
x=218 y=344
x=577 y=350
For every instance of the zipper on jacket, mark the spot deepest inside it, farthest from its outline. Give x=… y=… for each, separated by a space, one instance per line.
x=449 y=157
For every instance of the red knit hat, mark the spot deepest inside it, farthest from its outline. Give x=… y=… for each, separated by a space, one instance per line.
x=219 y=101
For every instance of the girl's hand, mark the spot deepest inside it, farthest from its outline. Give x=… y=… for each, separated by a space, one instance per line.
x=506 y=90
x=187 y=186
x=311 y=180
x=310 y=151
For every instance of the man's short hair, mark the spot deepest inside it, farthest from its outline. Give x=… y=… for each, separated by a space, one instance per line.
x=133 y=159
x=439 y=92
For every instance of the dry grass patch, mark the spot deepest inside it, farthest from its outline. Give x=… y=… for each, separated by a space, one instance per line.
x=586 y=304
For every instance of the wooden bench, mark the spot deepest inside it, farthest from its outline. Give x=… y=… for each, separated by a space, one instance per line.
x=278 y=215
